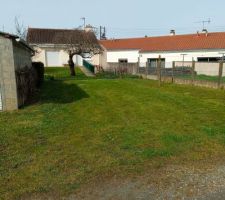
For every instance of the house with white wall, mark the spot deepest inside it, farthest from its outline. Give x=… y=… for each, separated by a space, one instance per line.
x=202 y=47
x=51 y=45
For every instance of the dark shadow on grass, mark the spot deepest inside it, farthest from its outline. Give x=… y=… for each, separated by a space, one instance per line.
x=61 y=92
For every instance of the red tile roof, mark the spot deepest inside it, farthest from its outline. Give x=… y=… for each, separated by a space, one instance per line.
x=169 y=43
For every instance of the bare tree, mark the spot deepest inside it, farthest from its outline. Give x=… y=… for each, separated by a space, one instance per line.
x=21 y=31
x=78 y=42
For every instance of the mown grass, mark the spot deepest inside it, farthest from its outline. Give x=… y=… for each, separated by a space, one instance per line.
x=53 y=73
x=62 y=73
x=84 y=128
x=202 y=77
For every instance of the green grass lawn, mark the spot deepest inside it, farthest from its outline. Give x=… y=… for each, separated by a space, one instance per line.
x=85 y=128
x=202 y=78
x=62 y=73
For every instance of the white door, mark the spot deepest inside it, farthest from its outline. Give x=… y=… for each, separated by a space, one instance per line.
x=53 y=59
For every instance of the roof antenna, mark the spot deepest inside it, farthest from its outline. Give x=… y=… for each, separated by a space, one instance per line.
x=203 y=22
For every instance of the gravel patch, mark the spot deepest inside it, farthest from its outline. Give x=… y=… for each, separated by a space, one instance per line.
x=173 y=183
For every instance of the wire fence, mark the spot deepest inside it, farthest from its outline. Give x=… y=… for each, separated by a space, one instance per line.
x=195 y=73
x=208 y=74
x=223 y=77
x=123 y=68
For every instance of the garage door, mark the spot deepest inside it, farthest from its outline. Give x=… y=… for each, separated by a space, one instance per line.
x=53 y=59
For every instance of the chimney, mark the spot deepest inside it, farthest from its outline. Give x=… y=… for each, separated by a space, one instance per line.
x=89 y=28
x=206 y=32
x=172 y=32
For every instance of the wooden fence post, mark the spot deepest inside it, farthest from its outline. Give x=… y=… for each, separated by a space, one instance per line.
x=138 y=65
x=173 y=70
x=135 y=71
x=220 y=74
x=159 y=70
x=146 y=69
x=193 y=71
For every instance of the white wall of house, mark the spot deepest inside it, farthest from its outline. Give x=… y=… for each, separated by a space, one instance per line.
x=63 y=57
x=95 y=60
x=53 y=57
x=78 y=60
x=130 y=55
x=203 y=68
x=39 y=55
x=134 y=55
x=103 y=59
x=177 y=56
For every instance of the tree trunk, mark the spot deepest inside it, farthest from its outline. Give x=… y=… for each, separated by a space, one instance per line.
x=72 y=66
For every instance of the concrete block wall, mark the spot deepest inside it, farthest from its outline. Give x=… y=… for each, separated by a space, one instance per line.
x=7 y=75
x=22 y=56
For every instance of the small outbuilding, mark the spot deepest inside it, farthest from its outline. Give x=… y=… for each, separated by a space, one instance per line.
x=51 y=45
x=15 y=62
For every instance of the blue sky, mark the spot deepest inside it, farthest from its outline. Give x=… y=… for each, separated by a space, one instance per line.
x=122 y=18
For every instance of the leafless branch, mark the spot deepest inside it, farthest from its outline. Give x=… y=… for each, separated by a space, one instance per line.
x=21 y=31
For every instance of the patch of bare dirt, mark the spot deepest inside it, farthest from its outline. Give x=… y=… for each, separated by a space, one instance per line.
x=201 y=181
x=173 y=182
